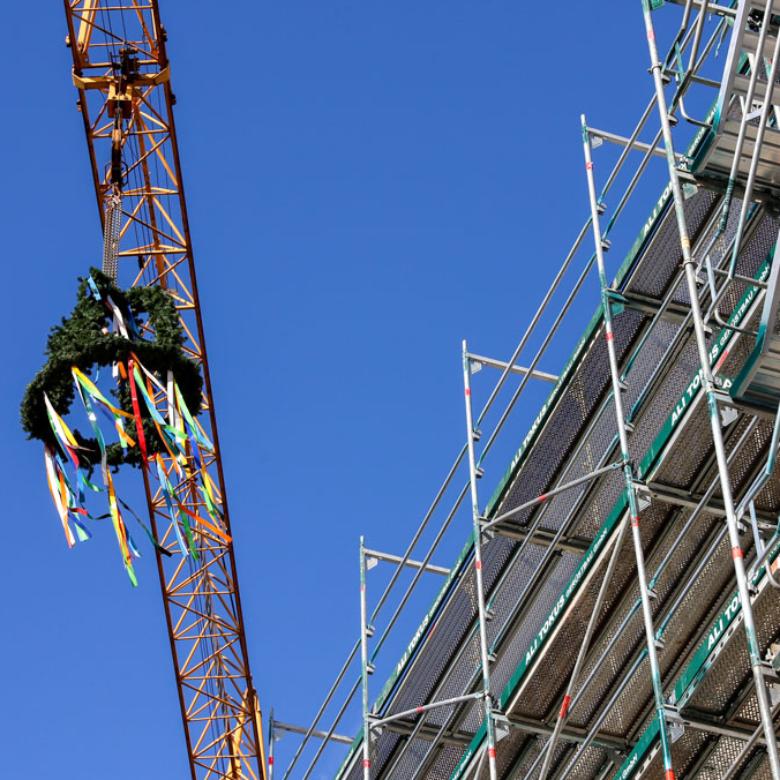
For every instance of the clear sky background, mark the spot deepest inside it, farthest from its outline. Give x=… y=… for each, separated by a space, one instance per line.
x=368 y=182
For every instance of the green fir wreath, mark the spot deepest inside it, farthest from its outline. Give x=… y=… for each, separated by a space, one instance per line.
x=83 y=340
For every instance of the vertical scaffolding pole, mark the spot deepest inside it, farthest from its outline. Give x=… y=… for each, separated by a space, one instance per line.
x=628 y=468
x=271 y=739
x=477 y=531
x=712 y=401
x=364 y=663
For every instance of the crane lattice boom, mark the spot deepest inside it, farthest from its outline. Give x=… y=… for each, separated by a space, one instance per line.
x=121 y=72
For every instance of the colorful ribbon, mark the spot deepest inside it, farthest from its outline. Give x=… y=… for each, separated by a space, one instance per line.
x=126 y=545
x=181 y=436
x=57 y=489
x=171 y=501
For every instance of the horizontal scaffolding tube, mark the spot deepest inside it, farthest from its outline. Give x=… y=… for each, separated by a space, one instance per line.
x=740 y=278
x=344 y=740
x=732 y=732
x=620 y=140
x=718 y=10
x=567 y=734
x=522 y=370
x=404 y=561
x=669 y=496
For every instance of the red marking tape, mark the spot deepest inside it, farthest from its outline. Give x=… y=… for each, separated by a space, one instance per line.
x=478 y=565
x=491 y=752
x=543 y=497
x=565 y=706
x=366 y=764
x=635 y=521
x=736 y=552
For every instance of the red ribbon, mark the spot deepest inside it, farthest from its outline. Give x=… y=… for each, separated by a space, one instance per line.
x=139 y=426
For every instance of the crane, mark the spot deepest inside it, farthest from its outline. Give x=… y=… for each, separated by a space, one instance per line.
x=122 y=76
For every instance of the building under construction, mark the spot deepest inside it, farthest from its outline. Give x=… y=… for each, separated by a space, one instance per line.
x=615 y=611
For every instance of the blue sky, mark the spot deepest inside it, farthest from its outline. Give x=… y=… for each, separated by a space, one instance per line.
x=368 y=184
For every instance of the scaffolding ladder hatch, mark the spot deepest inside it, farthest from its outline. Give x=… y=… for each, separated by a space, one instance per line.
x=758 y=383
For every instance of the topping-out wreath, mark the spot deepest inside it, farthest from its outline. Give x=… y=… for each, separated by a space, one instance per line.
x=136 y=335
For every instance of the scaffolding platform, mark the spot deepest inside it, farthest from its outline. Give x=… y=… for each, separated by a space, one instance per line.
x=740 y=94
x=540 y=595
x=616 y=612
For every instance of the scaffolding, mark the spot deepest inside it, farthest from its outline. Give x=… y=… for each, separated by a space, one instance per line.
x=614 y=612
